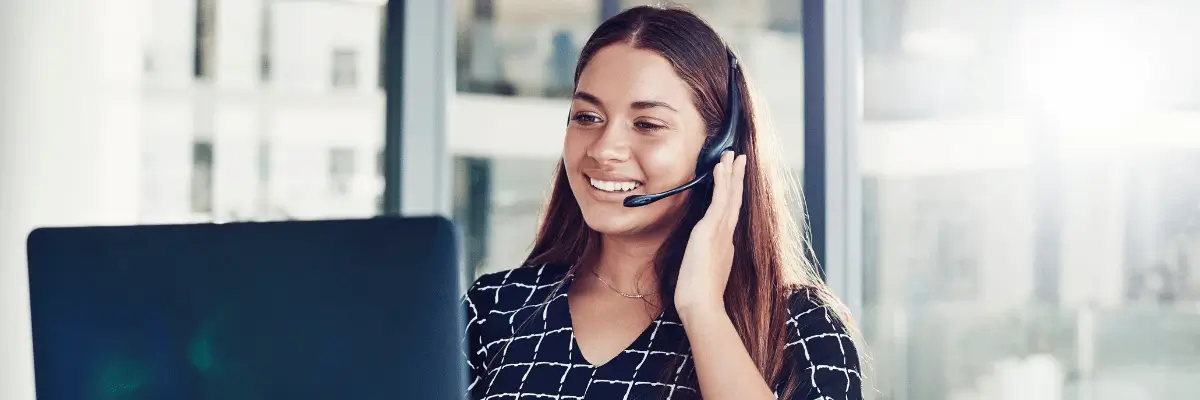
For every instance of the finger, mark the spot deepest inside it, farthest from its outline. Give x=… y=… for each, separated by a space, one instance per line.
x=727 y=156
x=737 y=186
x=728 y=159
x=720 y=174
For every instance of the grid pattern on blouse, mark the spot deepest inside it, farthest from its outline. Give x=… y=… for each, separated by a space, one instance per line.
x=521 y=346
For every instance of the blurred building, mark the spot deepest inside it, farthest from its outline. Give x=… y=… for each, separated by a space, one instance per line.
x=262 y=109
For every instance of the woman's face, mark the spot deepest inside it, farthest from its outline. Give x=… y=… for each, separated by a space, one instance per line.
x=633 y=130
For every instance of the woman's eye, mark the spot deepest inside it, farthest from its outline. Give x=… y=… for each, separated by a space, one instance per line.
x=586 y=119
x=647 y=126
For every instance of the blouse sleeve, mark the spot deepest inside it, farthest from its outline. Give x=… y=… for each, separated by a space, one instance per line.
x=476 y=303
x=822 y=356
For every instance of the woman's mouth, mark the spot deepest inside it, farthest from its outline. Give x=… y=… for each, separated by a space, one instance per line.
x=613 y=186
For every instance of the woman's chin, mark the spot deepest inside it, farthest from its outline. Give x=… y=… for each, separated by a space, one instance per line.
x=631 y=222
x=614 y=222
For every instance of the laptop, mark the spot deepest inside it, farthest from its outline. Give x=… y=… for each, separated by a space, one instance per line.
x=346 y=309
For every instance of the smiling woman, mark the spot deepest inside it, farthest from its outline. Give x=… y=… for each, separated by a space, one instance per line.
x=705 y=292
x=516 y=70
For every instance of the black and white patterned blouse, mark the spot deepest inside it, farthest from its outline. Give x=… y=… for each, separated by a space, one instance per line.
x=521 y=346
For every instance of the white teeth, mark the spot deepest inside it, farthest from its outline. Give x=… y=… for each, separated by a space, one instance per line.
x=609 y=186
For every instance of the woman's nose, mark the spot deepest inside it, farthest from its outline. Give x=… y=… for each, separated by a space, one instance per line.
x=612 y=145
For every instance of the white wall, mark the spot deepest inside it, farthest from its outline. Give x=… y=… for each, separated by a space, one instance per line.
x=70 y=114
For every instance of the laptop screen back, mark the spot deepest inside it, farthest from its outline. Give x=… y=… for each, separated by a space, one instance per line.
x=291 y=310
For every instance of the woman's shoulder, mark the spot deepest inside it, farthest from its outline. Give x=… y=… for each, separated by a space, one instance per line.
x=527 y=275
x=814 y=312
x=820 y=343
x=517 y=282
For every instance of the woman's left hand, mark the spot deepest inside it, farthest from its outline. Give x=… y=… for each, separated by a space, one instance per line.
x=708 y=258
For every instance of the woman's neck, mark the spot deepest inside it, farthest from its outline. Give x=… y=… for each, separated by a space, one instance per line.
x=627 y=263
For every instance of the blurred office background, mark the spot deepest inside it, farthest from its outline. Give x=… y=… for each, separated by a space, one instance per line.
x=1013 y=185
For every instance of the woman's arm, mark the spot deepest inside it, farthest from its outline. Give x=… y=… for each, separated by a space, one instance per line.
x=476 y=304
x=723 y=365
x=820 y=356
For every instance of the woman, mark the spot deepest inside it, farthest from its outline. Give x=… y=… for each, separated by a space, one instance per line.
x=704 y=292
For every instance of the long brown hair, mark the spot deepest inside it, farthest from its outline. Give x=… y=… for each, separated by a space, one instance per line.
x=773 y=257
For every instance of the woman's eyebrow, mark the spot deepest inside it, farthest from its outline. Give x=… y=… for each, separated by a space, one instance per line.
x=588 y=98
x=647 y=104
x=637 y=105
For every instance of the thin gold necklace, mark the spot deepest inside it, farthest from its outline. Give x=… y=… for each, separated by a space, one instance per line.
x=614 y=289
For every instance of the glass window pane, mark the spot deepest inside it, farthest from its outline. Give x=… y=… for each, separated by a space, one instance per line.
x=277 y=102
x=1030 y=202
x=179 y=111
x=516 y=65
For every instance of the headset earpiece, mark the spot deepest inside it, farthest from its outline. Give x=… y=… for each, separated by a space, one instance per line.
x=714 y=147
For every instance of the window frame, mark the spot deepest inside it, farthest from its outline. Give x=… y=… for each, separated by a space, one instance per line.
x=419 y=53
x=832 y=32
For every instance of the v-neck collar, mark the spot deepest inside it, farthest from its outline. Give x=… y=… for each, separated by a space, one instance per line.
x=642 y=342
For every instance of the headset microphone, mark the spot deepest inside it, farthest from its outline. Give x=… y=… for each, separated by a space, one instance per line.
x=714 y=147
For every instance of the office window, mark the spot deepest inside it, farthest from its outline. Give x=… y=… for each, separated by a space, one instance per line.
x=202 y=177
x=264 y=39
x=341 y=170
x=274 y=138
x=345 y=68
x=205 y=39
x=1064 y=224
x=383 y=55
x=784 y=15
x=380 y=170
x=380 y=163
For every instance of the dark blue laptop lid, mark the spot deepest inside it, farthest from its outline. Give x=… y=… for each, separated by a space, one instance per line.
x=349 y=309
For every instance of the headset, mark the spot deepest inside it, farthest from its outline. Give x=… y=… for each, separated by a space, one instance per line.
x=714 y=147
